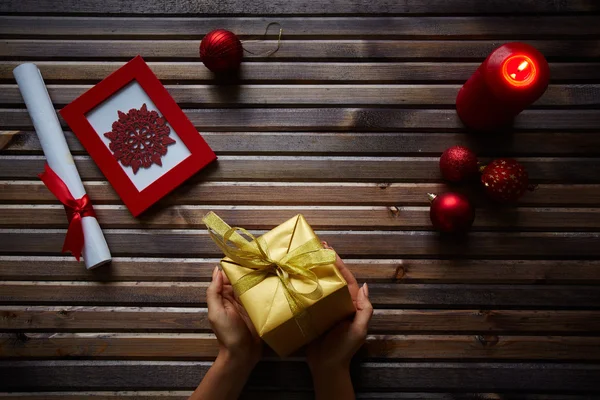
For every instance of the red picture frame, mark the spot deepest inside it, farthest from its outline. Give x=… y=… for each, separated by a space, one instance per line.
x=75 y=115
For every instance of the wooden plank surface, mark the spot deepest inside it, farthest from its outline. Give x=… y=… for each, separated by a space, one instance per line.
x=346 y=119
x=320 y=95
x=262 y=395
x=299 y=7
x=344 y=124
x=306 y=27
x=582 y=143
x=385 y=321
x=197 y=243
x=295 y=72
x=326 y=217
x=325 y=169
x=390 y=295
x=407 y=376
x=187 y=50
x=180 y=346
x=310 y=193
x=56 y=268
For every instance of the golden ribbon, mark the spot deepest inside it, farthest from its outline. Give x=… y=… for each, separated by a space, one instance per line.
x=254 y=254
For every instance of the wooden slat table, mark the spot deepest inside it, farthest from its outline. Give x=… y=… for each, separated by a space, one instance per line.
x=344 y=124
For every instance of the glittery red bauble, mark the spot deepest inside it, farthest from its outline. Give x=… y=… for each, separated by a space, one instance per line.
x=451 y=212
x=458 y=164
x=221 y=51
x=505 y=180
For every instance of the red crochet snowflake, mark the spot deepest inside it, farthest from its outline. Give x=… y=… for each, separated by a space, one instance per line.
x=139 y=138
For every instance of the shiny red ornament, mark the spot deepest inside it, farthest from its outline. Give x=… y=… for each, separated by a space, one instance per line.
x=451 y=212
x=221 y=51
x=458 y=164
x=505 y=180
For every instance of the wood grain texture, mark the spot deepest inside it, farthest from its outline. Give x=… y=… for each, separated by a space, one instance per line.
x=319 y=95
x=356 y=143
x=196 y=243
x=28 y=268
x=278 y=395
x=346 y=119
x=182 y=346
x=314 y=27
x=179 y=375
x=325 y=169
x=298 y=7
x=385 y=321
x=390 y=295
x=320 y=217
x=344 y=124
x=368 y=50
x=309 y=193
x=294 y=72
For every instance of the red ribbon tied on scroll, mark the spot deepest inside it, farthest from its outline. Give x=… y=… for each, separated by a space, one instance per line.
x=76 y=209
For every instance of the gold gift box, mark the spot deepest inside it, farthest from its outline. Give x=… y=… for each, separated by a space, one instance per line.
x=268 y=304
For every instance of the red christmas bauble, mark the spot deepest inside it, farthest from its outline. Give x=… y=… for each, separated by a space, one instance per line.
x=451 y=212
x=458 y=164
x=505 y=180
x=221 y=51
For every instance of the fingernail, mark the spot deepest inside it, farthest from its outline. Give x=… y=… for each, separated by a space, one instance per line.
x=366 y=289
x=214 y=273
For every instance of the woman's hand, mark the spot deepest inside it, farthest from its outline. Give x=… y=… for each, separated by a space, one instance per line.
x=240 y=347
x=238 y=340
x=334 y=350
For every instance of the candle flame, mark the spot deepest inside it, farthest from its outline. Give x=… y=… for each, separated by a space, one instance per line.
x=522 y=66
x=519 y=70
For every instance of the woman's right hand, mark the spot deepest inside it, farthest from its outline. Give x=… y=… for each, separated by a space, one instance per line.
x=335 y=349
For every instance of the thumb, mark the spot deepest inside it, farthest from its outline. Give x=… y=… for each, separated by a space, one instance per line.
x=214 y=294
x=364 y=311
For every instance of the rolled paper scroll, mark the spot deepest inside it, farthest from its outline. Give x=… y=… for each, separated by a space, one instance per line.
x=33 y=89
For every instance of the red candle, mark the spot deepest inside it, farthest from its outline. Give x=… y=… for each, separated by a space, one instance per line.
x=510 y=79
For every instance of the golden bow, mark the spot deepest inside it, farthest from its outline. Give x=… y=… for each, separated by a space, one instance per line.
x=254 y=254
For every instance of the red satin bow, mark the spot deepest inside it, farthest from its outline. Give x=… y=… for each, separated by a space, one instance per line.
x=76 y=209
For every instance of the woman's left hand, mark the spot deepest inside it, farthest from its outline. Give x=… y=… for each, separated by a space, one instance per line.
x=235 y=332
x=240 y=347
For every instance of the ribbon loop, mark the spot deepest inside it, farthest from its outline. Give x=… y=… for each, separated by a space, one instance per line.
x=246 y=250
x=75 y=209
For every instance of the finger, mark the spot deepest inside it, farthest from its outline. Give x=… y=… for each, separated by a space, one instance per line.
x=228 y=295
x=214 y=293
x=339 y=263
x=364 y=310
x=248 y=321
x=228 y=287
x=350 y=279
x=346 y=273
x=225 y=279
x=227 y=291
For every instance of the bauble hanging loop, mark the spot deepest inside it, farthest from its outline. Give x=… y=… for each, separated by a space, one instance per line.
x=221 y=51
